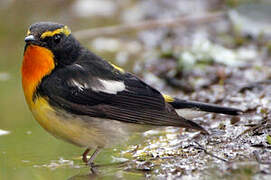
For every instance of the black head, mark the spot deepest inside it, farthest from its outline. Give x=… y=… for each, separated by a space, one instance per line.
x=55 y=37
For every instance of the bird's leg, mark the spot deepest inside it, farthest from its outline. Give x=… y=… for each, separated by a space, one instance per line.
x=93 y=156
x=84 y=158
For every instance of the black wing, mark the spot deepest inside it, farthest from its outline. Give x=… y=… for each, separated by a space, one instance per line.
x=73 y=88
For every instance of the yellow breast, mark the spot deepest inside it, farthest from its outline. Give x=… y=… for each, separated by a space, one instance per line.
x=61 y=124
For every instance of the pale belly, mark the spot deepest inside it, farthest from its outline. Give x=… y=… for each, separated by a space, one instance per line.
x=83 y=131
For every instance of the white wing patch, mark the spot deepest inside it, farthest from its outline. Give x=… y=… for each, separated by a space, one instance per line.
x=109 y=86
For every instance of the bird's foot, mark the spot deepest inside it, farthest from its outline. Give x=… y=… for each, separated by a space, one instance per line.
x=84 y=156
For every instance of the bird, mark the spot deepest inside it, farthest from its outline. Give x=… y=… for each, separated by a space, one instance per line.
x=85 y=100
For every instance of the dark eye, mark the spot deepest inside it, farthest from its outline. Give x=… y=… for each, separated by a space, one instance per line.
x=57 y=38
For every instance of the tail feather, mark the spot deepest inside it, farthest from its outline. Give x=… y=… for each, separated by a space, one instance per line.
x=184 y=104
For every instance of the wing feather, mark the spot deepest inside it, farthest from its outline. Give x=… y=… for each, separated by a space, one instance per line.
x=137 y=103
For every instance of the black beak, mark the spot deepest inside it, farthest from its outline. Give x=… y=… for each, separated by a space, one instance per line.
x=29 y=38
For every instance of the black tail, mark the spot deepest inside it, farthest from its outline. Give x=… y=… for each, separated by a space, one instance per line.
x=184 y=104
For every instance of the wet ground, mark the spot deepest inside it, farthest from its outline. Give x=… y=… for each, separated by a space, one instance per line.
x=224 y=59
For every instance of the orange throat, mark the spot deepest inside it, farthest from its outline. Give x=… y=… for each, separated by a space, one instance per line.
x=37 y=63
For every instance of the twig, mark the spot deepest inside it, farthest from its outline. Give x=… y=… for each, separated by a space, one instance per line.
x=150 y=24
x=253 y=85
x=253 y=128
x=209 y=153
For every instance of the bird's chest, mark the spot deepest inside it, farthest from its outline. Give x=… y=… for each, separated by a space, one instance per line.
x=61 y=125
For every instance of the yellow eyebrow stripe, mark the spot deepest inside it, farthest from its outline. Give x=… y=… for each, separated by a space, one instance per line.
x=168 y=98
x=65 y=30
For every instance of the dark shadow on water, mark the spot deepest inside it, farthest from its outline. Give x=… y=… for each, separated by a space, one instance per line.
x=95 y=171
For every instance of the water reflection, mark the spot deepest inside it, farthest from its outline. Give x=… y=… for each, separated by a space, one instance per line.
x=121 y=170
